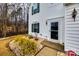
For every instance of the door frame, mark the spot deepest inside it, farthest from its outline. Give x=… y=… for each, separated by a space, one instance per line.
x=59 y=20
x=54 y=40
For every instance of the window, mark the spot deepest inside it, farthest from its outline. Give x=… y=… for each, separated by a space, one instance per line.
x=35 y=8
x=54 y=30
x=35 y=27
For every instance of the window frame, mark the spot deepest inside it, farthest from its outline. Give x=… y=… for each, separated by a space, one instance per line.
x=36 y=10
x=35 y=27
x=54 y=29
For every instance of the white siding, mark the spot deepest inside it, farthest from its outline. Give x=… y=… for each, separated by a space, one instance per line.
x=71 y=28
x=47 y=11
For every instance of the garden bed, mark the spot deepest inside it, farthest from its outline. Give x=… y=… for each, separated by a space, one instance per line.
x=5 y=49
x=25 y=45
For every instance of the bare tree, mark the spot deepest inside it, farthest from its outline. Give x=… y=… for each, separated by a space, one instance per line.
x=4 y=18
x=28 y=6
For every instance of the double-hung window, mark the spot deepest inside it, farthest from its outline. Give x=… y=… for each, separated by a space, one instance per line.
x=35 y=27
x=35 y=8
x=54 y=30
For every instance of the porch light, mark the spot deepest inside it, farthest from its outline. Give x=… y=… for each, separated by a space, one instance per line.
x=74 y=13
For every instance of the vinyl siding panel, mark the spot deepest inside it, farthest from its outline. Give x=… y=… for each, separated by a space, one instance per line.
x=71 y=28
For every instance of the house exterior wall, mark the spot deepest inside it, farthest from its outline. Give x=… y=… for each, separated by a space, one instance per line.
x=47 y=13
x=71 y=28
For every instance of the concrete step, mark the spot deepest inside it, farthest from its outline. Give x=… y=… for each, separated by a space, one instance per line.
x=53 y=45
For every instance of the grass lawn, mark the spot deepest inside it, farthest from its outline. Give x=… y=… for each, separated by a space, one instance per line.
x=4 y=49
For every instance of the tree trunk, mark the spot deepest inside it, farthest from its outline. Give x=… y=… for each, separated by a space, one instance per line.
x=16 y=25
x=4 y=20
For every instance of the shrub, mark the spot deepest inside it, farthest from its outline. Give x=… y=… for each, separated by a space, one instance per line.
x=30 y=36
x=28 y=47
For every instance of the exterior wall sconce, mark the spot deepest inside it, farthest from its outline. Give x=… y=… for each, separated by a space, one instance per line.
x=74 y=13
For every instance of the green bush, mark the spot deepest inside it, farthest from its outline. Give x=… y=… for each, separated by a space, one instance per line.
x=28 y=47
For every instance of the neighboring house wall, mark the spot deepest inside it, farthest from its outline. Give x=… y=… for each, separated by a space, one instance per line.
x=47 y=13
x=71 y=28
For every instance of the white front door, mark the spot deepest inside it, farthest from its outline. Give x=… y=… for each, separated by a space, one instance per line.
x=55 y=27
x=54 y=30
